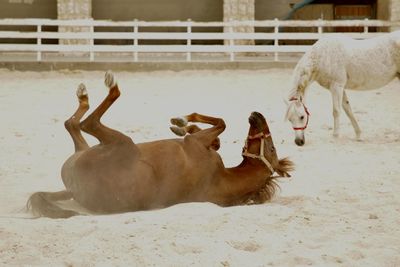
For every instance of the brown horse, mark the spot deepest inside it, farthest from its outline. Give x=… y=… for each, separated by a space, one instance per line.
x=119 y=176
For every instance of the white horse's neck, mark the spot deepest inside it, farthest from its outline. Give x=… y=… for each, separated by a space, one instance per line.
x=295 y=94
x=302 y=77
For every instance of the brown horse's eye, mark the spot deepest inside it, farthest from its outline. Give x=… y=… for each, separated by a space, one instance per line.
x=272 y=149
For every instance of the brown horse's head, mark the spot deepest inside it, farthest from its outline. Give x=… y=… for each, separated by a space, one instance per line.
x=259 y=146
x=257 y=123
x=260 y=152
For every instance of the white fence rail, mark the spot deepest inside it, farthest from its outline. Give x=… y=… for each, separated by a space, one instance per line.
x=130 y=39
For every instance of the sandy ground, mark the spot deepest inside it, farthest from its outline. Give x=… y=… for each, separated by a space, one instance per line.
x=340 y=208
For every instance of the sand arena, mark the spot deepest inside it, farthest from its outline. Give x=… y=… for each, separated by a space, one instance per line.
x=340 y=208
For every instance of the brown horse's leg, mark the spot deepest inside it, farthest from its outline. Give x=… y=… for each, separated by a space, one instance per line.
x=92 y=124
x=191 y=129
x=72 y=124
x=209 y=137
x=182 y=131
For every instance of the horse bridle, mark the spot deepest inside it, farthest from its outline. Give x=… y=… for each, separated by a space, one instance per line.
x=262 y=136
x=307 y=113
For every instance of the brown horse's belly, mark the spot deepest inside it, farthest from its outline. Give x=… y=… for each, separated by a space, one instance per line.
x=104 y=182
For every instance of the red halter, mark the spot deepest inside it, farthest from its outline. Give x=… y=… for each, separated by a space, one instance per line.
x=307 y=112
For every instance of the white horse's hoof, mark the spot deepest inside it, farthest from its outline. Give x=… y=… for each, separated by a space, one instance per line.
x=358 y=136
x=109 y=79
x=178 y=130
x=180 y=121
x=81 y=90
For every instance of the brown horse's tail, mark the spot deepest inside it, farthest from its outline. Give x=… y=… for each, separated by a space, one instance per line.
x=43 y=204
x=284 y=167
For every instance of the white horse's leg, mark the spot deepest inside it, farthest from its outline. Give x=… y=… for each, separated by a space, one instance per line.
x=337 y=97
x=347 y=108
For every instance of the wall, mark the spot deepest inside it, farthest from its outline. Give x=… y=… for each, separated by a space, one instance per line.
x=267 y=9
x=156 y=10
x=28 y=9
x=240 y=10
x=395 y=12
x=74 y=9
x=43 y=9
x=383 y=9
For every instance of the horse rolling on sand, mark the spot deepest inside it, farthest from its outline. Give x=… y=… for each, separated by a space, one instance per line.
x=118 y=175
x=338 y=63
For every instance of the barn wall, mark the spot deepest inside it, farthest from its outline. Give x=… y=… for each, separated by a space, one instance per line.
x=28 y=9
x=15 y=9
x=267 y=9
x=383 y=9
x=395 y=12
x=157 y=10
x=240 y=10
x=197 y=10
x=74 y=9
x=312 y=12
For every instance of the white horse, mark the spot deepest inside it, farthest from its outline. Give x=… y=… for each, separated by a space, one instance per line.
x=337 y=63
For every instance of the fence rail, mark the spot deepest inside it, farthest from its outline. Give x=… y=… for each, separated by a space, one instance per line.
x=92 y=37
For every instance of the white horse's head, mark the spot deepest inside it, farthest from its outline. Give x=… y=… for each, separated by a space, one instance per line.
x=298 y=115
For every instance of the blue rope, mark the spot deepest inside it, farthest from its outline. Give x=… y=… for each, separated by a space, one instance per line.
x=297 y=7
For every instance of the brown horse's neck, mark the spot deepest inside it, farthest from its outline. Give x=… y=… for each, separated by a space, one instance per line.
x=238 y=183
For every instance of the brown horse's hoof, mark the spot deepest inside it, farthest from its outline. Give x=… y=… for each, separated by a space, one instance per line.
x=180 y=121
x=81 y=90
x=109 y=79
x=178 y=130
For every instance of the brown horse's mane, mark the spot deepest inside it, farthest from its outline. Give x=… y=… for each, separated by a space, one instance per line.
x=269 y=189
x=285 y=166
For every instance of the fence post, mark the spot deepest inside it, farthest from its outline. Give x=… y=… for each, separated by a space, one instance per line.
x=231 y=41
x=91 y=42
x=135 y=41
x=366 y=26
x=320 y=29
x=39 y=43
x=189 y=40
x=276 y=40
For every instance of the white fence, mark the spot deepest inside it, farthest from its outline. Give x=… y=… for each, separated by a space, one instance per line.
x=130 y=40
